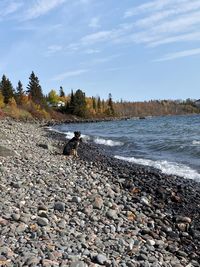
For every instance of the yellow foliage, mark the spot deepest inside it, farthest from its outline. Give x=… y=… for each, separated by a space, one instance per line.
x=1 y=101
x=12 y=102
x=24 y=100
x=17 y=113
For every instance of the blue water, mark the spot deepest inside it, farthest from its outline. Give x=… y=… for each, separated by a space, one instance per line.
x=170 y=143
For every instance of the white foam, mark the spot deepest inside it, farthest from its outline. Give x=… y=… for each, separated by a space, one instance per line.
x=166 y=167
x=69 y=135
x=105 y=142
x=195 y=142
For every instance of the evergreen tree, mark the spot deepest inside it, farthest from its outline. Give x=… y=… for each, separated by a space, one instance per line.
x=79 y=103
x=99 y=104
x=94 y=105
x=110 y=105
x=62 y=93
x=19 y=93
x=6 y=89
x=34 y=89
x=70 y=105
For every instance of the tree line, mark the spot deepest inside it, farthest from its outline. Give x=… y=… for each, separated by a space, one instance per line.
x=33 y=99
x=32 y=102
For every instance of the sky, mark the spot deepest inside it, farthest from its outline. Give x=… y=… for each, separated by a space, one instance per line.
x=137 y=50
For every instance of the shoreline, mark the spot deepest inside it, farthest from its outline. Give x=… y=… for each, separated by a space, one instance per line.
x=175 y=194
x=110 y=119
x=94 y=210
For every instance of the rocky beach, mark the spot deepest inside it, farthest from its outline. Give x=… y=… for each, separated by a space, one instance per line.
x=93 y=210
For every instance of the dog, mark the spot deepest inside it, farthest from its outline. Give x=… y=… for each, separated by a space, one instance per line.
x=70 y=149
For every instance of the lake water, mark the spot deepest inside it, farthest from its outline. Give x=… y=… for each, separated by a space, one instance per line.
x=170 y=143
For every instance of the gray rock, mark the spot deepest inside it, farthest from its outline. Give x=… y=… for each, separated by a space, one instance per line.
x=76 y=199
x=112 y=214
x=78 y=264
x=98 y=202
x=6 y=152
x=101 y=259
x=60 y=206
x=42 y=221
x=183 y=219
x=16 y=216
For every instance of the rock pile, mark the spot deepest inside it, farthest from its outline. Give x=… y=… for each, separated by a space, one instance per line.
x=91 y=211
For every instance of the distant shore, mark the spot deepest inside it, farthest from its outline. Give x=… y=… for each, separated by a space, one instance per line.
x=58 y=211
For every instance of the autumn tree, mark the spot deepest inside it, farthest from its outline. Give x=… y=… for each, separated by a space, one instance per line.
x=1 y=100
x=34 y=89
x=6 y=89
x=52 y=97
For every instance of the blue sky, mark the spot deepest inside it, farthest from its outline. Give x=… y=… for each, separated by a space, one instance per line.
x=133 y=49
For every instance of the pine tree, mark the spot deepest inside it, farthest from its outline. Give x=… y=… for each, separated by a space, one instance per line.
x=62 y=93
x=19 y=93
x=110 y=105
x=99 y=104
x=94 y=105
x=6 y=89
x=34 y=89
x=79 y=103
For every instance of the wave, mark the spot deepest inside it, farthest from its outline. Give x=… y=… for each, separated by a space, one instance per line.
x=69 y=135
x=107 y=142
x=195 y=142
x=166 y=167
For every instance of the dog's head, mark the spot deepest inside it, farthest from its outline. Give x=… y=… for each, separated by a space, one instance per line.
x=77 y=134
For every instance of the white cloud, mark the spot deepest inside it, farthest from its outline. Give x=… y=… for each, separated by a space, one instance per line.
x=94 y=23
x=172 y=11
x=194 y=36
x=10 y=8
x=92 y=51
x=152 y=6
x=163 y=22
x=180 y=54
x=42 y=7
x=63 y=76
x=52 y=49
x=96 y=37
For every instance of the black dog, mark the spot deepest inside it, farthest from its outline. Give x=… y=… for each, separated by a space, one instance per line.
x=71 y=147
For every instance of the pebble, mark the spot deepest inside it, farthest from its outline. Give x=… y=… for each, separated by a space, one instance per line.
x=60 y=206
x=101 y=259
x=42 y=221
x=91 y=211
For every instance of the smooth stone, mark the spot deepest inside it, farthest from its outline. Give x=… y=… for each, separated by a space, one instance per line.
x=41 y=221
x=6 y=152
x=101 y=259
x=98 y=202
x=16 y=216
x=78 y=264
x=60 y=206
x=76 y=199
x=183 y=219
x=151 y=242
x=112 y=214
